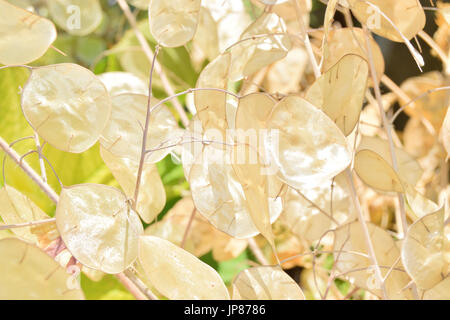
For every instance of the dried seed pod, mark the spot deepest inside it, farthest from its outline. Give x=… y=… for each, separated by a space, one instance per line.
x=426 y=251
x=310 y=221
x=152 y=196
x=210 y=104
x=173 y=23
x=248 y=167
x=376 y=172
x=340 y=91
x=98 y=226
x=261 y=44
x=17 y=208
x=172 y=227
x=207 y=38
x=27 y=273
x=355 y=264
x=428 y=104
x=341 y=42
x=266 y=283
x=441 y=291
x=252 y=113
x=24 y=36
x=67 y=99
x=310 y=148
x=119 y=82
x=407 y=16
x=219 y=196
x=226 y=248
x=177 y=274
x=123 y=134
x=409 y=170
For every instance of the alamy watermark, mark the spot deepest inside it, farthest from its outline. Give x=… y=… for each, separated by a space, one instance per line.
x=74 y=19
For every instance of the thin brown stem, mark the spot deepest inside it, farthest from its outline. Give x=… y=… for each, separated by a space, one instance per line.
x=41 y=160
x=29 y=171
x=150 y=56
x=256 y=250
x=140 y=285
x=45 y=188
x=146 y=127
x=305 y=39
x=369 y=244
x=131 y=286
x=425 y=37
x=316 y=206
x=26 y=224
x=403 y=225
x=188 y=227
x=161 y=102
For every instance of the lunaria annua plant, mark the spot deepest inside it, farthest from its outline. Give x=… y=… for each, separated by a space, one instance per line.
x=207 y=149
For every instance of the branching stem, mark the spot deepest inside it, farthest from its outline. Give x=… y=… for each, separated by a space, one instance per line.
x=150 y=56
x=52 y=195
x=29 y=171
x=146 y=127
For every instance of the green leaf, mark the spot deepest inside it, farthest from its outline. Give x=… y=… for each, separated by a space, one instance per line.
x=175 y=61
x=172 y=176
x=109 y=288
x=229 y=269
